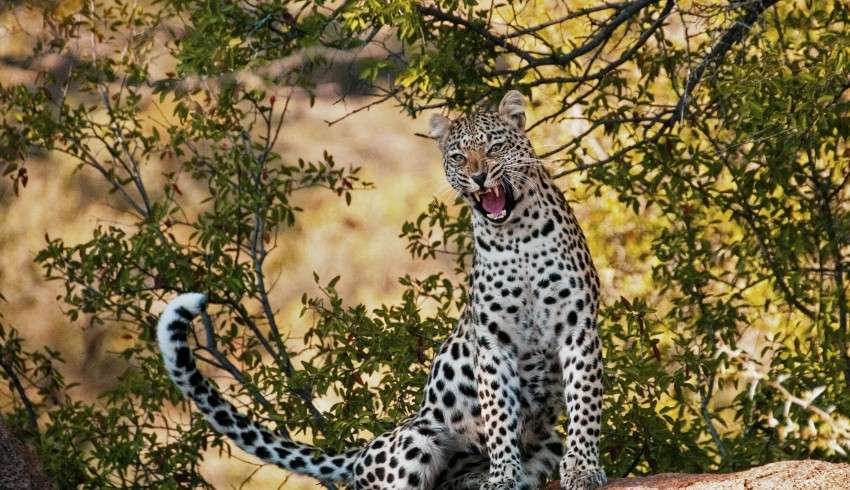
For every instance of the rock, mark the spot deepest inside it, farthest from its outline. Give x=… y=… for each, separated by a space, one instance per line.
x=19 y=467
x=785 y=475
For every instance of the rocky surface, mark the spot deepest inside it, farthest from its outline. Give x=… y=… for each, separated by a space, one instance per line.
x=785 y=475
x=19 y=468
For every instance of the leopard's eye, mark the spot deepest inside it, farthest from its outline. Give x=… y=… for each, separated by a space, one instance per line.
x=457 y=158
x=496 y=148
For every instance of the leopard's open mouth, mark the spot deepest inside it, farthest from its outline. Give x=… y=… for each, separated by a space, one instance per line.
x=495 y=203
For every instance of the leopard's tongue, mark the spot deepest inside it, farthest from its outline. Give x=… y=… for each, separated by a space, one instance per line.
x=492 y=203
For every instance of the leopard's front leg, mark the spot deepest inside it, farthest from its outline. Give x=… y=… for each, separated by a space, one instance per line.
x=498 y=393
x=581 y=358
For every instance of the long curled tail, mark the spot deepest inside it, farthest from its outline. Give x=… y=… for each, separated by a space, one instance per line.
x=252 y=437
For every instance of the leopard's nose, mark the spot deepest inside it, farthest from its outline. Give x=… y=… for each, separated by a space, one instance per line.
x=480 y=178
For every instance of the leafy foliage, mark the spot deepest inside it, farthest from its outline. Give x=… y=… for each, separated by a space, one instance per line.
x=723 y=127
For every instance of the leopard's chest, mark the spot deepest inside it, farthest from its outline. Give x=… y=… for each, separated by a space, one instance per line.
x=525 y=288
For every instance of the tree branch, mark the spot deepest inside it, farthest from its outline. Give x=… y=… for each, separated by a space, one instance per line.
x=212 y=347
x=732 y=36
x=493 y=39
x=572 y=15
x=668 y=118
x=258 y=253
x=834 y=249
x=32 y=418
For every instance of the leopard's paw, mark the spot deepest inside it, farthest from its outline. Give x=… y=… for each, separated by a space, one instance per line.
x=501 y=485
x=470 y=481
x=583 y=479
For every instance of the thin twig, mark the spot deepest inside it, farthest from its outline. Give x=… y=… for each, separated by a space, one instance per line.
x=389 y=95
x=212 y=347
x=572 y=15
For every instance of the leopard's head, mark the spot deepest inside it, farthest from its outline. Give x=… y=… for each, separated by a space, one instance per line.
x=487 y=156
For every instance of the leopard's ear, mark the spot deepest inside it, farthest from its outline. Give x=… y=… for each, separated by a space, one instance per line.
x=438 y=127
x=512 y=109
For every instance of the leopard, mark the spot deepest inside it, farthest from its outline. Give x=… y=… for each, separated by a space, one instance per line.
x=525 y=350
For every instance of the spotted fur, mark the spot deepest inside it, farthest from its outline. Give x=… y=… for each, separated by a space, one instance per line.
x=525 y=348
